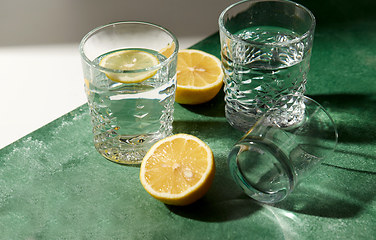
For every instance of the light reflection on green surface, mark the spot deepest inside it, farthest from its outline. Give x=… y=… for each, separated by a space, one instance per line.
x=54 y=185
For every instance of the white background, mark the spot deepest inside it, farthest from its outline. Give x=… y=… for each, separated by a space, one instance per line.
x=41 y=77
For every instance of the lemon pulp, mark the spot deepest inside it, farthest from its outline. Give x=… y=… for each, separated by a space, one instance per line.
x=199 y=77
x=178 y=170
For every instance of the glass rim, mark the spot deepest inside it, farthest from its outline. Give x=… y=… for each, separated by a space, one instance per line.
x=295 y=40
x=155 y=67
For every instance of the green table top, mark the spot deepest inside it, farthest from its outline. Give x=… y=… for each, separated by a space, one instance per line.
x=54 y=184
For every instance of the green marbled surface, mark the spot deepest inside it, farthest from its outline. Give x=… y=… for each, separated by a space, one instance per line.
x=54 y=185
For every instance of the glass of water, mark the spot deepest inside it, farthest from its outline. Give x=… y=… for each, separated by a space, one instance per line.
x=266 y=49
x=272 y=159
x=129 y=116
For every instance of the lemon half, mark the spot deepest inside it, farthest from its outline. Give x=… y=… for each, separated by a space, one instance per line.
x=199 y=77
x=178 y=170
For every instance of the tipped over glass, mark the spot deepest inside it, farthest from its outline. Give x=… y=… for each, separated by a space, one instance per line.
x=271 y=159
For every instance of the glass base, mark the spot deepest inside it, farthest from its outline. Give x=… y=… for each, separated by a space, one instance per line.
x=127 y=150
x=131 y=157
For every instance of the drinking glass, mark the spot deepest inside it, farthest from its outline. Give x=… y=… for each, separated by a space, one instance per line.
x=266 y=49
x=272 y=159
x=129 y=117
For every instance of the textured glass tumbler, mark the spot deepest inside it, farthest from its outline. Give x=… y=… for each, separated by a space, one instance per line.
x=266 y=50
x=270 y=160
x=129 y=116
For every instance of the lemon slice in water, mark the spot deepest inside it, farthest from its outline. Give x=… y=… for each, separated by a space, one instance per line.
x=129 y=60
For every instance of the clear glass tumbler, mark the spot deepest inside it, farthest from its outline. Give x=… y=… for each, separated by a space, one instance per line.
x=271 y=160
x=266 y=50
x=129 y=116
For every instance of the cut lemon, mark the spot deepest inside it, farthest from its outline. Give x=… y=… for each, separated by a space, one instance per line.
x=199 y=77
x=168 y=51
x=129 y=60
x=178 y=170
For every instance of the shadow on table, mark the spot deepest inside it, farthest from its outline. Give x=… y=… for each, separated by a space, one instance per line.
x=329 y=11
x=340 y=188
x=224 y=201
x=344 y=185
x=333 y=193
x=354 y=115
x=232 y=209
x=212 y=108
x=218 y=134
